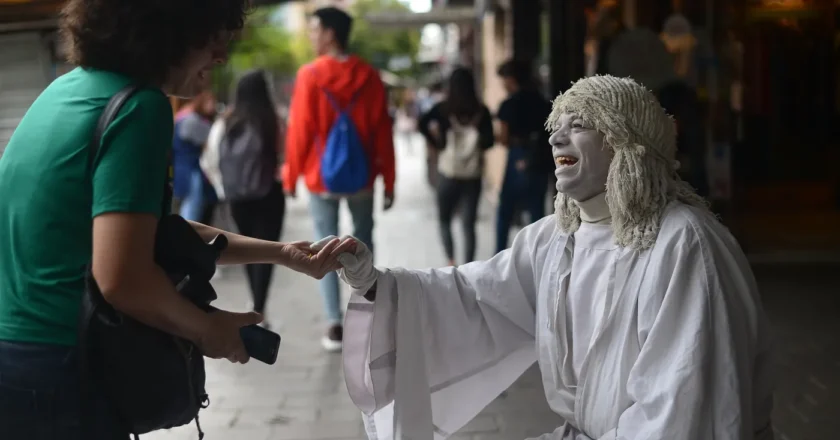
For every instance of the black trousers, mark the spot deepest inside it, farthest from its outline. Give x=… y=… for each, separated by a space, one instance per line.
x=450 y=194
x=208 y=213
x=262 y=219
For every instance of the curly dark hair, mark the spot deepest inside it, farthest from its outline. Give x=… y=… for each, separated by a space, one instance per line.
x=144 y=39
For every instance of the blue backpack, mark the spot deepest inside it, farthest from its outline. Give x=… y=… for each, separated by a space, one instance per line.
x=345 y=167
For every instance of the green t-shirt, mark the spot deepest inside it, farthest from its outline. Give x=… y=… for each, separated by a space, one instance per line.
x=46 y=205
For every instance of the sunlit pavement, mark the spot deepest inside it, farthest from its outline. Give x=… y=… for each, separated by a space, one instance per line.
x=303 y=397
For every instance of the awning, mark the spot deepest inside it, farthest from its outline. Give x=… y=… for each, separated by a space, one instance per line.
x=23 y=11
x=38 y=14
x=270 y=2
x=390 y=79
x=49 y=24
x=445 y=15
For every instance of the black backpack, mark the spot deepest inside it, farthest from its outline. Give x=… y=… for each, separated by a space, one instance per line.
x=153 y=379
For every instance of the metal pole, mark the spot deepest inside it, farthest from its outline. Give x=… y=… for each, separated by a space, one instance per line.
x=478 y=42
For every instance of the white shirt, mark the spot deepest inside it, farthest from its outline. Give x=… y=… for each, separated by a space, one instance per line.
x=589 y=287
x=594 y=250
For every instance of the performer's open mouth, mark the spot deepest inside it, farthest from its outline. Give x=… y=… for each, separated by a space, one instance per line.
x=566 y=161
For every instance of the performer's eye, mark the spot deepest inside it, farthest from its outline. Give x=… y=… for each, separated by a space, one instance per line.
x=577 y=125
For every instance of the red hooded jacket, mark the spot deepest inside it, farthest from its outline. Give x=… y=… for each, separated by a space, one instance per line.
x=311 y=117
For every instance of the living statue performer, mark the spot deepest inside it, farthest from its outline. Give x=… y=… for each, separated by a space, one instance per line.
x=638 y=305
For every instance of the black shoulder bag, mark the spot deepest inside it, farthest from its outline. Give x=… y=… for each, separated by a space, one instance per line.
x=153 y=379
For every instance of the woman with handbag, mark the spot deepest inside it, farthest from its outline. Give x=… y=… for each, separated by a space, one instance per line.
x=63 y=210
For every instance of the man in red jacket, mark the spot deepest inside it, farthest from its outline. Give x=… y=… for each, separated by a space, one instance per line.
x=356 y=87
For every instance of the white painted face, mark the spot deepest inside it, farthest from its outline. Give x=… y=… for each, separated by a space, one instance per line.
x=581 y=159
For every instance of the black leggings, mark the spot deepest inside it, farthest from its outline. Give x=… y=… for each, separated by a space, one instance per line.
x=263 y=219
x=451 y=193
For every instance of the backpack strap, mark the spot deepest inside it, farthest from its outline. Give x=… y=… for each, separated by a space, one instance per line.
x=105 y=119
x=476 y=121
x=96 y=148
x=331 y=98
x=473 y=122
x=334 y=103
x=356 y=94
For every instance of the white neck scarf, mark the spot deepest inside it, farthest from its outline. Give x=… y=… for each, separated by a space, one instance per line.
x=595 y=210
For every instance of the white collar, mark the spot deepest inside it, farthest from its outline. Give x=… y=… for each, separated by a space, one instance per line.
x=595 y=210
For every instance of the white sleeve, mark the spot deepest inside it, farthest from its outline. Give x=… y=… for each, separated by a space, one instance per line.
x=471 y=327
x=209 y=161
x=701 y=373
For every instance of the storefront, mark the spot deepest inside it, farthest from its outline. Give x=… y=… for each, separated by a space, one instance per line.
x=784 y=102
x=29 y=58
x=765 y=73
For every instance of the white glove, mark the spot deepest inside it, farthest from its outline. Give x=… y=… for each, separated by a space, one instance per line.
x=358 y=271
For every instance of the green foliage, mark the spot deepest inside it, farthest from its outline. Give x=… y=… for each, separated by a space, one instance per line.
x=264 y=45
x=222 y=79
x=378 y=46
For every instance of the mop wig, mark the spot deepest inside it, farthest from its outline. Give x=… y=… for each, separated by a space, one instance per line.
x=643 y=177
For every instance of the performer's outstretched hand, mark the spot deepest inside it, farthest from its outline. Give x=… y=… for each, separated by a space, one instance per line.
x=357 y=265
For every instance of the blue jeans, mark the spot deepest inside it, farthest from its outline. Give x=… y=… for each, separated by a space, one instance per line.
x=192 y=206
x=41 y=396
x=520 y=189
x=325 y=213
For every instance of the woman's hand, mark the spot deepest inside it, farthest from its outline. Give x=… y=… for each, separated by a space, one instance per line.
x=299 y=256
x=316 y=261
x=220 y=337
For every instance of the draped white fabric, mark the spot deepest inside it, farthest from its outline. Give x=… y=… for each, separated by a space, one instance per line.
x=668 y=343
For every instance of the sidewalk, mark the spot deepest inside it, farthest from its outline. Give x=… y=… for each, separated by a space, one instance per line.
x=303 y=396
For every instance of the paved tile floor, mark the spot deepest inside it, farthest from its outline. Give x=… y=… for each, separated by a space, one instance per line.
x=302 y=397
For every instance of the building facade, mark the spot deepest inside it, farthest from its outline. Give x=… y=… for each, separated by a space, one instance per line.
x=30 y=57
x=765 y=74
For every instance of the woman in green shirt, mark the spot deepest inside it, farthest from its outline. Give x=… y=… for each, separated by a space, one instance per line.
x=52 y=225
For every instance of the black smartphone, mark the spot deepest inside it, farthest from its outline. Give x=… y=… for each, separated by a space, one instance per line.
x=261 y=344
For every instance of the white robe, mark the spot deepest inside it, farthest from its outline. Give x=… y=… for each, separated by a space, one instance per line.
x=667 y=343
